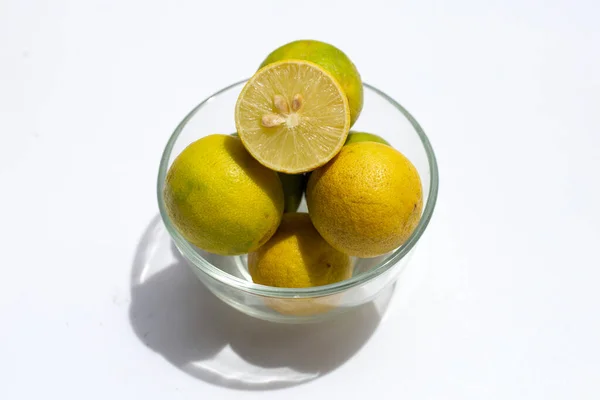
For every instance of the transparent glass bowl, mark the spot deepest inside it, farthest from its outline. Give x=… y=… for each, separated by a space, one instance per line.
x=228 y=278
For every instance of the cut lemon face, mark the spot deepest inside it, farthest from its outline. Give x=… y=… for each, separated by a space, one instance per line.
x=292 y=116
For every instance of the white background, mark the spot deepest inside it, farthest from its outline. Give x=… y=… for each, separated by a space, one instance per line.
x=504 y=303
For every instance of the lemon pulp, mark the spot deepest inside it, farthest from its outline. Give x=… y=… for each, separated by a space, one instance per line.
x=292 y=116
x=333 y=60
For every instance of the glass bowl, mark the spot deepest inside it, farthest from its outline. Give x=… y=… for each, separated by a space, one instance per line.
x=228 y=277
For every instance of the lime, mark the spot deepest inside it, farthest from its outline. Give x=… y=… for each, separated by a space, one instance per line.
x=293 y=190
x=292 y=116
x=220 y=198
x=355 y=137
x=367 y=200
x=333 y=60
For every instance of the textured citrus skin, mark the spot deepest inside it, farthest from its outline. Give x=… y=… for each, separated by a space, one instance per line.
x=333 y=60
x=220 y=198
x=355 y=137
x=367 y=200
x=298 y=257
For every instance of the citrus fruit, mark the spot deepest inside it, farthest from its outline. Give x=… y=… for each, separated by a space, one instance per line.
x=355 y=137
x=367 y=200
x=220 y=198
x=292 y=116
x=296 y=256
x=333 y=60
x=303 y=306
x=293 y=188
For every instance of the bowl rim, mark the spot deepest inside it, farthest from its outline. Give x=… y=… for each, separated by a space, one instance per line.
x=222 y=277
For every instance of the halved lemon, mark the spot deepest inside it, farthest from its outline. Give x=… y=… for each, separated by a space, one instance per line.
x=292 y=116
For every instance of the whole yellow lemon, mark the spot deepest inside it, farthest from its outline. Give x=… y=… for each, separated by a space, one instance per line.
x=220 y=198
x=297 y=257
x=367 y=200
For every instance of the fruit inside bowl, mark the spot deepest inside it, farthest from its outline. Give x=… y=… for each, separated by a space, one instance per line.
x=295 y=217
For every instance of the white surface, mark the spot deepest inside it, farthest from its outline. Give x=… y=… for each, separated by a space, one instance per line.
x=504 y=301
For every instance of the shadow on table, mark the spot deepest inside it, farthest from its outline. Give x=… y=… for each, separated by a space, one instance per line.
x=174 y=314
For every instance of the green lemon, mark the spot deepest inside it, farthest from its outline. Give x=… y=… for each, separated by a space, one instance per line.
x=293 y=189
x=355 y=137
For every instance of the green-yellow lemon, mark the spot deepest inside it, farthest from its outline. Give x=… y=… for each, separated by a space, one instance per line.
x=355 y=137
x=220 y=198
